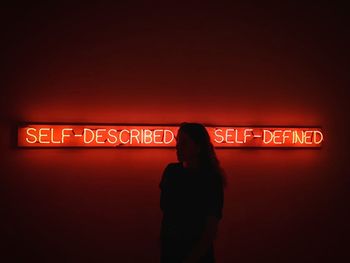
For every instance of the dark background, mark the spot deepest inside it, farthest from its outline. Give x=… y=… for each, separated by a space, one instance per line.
x=167 y=63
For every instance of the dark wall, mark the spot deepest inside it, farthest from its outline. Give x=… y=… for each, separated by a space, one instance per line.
x=142 y=63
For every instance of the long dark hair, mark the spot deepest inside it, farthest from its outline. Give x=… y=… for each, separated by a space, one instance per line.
x=207 y=156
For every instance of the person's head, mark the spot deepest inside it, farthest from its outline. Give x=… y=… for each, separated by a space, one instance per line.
x=193 y=145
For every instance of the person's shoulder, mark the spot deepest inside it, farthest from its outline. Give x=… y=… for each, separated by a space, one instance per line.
x=169 y=172
x=172 y=166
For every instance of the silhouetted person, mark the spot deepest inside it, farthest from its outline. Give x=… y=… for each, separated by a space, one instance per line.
x=192 y=198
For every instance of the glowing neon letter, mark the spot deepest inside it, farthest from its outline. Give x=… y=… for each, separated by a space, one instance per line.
x=276 y=136
x=155 y=135
x=41 y=135
x=308 y=137
x=120 y=136
x=134 y=136
x=321 y=137
x=147 y=135
x=264 y=139
x=246 y=135
x=85 y=135
x=285 y=136
x=52 y=136
x=28 y=133
x=112 y=135
x=172 y=136
x=237 y=137
x=65 y=135
x=216 y=134
x=227 y=135
x=99 y=135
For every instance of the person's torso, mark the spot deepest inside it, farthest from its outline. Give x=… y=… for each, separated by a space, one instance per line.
x=184 y=200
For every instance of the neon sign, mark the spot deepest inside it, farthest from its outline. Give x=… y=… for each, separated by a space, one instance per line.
x=117 y=136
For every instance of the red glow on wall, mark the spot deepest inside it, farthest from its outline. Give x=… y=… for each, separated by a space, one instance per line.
x=77 y=135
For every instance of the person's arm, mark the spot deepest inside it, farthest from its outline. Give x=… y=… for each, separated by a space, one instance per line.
x=162 y=186
x=209 y=234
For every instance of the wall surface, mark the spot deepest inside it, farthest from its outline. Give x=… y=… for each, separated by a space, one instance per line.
x=214 y=64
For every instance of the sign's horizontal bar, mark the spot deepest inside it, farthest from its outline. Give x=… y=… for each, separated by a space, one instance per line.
x=95 y=135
